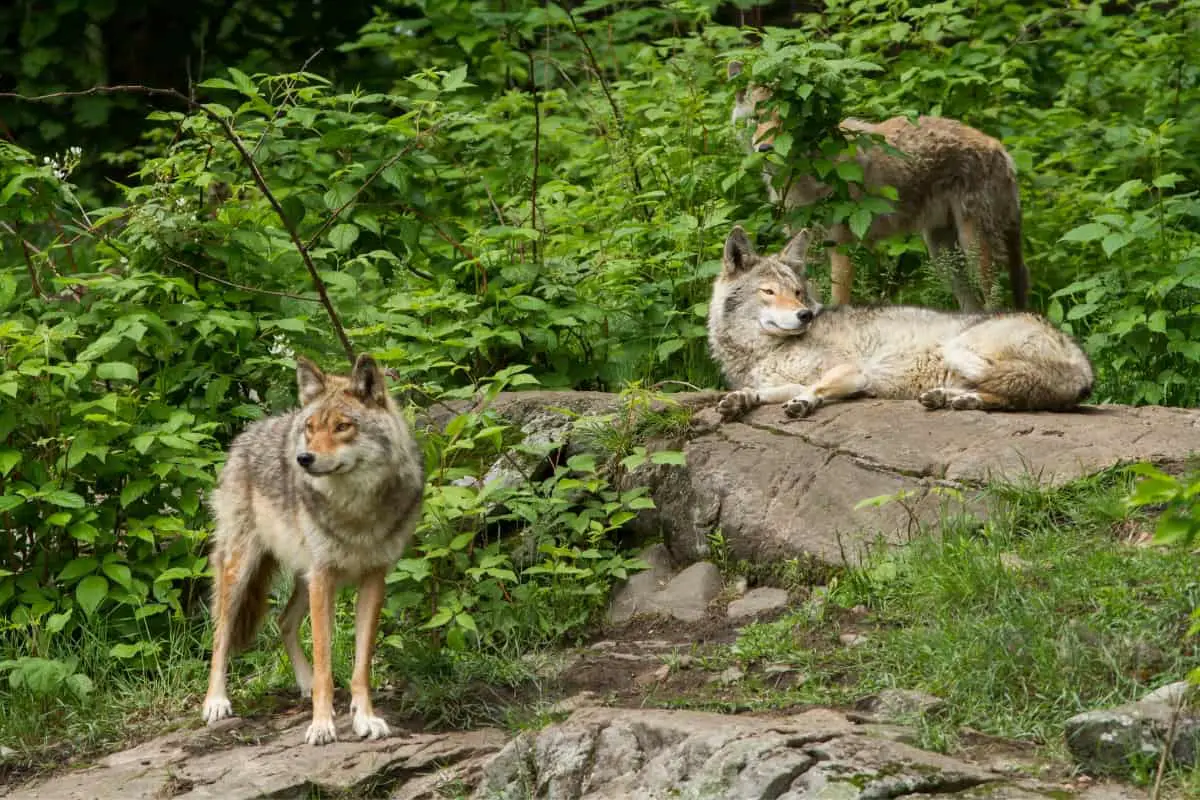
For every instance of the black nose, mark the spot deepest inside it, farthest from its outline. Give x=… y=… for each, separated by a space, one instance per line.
x=305 y=459
x=764 y=147
x=804 y=315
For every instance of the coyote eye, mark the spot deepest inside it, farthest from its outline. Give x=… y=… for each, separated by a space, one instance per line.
x=767 y=292
x=342 y=427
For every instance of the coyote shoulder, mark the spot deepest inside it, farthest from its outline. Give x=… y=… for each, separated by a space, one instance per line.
x=955 y=185
x=777 y=344
x=331 y=493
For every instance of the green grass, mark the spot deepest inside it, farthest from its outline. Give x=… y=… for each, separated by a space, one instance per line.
x=1041 y=613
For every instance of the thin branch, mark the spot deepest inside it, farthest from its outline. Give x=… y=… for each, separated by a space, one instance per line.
x=243 y=287
x=279 y=111
x=370 y=179
x=450 y=240
x=26 y=248
x=612 y=102
x=537 y=141
x=255 y=172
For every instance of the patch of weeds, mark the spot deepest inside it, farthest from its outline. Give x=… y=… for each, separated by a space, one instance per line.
x=458 y=689
x=793 y=574
x=1036 y=616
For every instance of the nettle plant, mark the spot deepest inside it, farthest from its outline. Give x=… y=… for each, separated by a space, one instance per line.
x=525 y=553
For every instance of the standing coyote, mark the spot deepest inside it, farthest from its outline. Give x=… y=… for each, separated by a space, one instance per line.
x=956 y=185
x=777 y=344
x=330 y=492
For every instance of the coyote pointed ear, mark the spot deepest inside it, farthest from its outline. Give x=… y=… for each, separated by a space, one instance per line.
x=309 y=379
x=734 y=69
x=739 y=252
x=367 y=381
x=795 y=252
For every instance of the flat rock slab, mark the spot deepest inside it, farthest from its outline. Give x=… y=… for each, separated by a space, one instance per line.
x=251 y=760
x=611 y=753
x=781 y=488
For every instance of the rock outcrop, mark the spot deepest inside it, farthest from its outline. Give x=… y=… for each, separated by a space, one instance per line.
x=778 y=488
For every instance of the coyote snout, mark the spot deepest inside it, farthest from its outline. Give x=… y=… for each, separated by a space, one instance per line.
x=955 y=185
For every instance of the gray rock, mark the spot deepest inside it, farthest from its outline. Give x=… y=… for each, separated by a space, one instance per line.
x=687 y=595
x=1180 y=694
x=1109 y=741
x=729 y=676
x=779 y=488
x=899 y=705
x=758 y=601
x=198 y=765
x=605 y=754
x=636 y=595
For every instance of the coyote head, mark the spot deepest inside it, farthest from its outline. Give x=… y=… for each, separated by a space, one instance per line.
x=347 y=420
x=762 y=295
x=745 y=117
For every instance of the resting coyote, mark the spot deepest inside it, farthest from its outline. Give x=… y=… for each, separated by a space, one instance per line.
x=777 y=344
x=955 y=185
x=330 y=492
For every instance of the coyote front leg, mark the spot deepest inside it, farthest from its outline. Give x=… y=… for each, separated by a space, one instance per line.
x=322 y=589
x=735 y=404
x=366 y=622
x=839 y=383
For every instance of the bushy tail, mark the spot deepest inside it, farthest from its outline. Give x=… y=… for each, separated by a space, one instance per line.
x=249 y=576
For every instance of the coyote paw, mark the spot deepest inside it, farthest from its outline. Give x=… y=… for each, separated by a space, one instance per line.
x=802 y=405
x=934 y=399
x=321 y=731
x=369 y=726
x=734 y=404
x=966 y=401
x=216 y=708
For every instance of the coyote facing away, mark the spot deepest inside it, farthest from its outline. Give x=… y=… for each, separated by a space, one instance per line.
x=956 y=185
x=330 y=492
x=777 y=344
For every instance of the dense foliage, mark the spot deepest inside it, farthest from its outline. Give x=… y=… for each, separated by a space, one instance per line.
x=495 y=193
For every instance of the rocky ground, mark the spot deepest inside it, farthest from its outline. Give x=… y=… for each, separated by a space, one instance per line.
x=602 y=737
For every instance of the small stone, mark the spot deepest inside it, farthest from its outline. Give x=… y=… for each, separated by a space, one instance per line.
x=739 y=587
x=899 y=704
x=731 y=675
x=684 y=661
x=637 y=595
x=653 y=676
x=852 y=639
x=759 y=601
x=1176 y=695
x=570 y=704
x=6 y=752
x=778 y=669
x=687 y=596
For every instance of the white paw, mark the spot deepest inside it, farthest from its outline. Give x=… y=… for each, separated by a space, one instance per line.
x=802 y=405
x=734 y=404
x=369 y=726
x=216 y=708
x=321 y=731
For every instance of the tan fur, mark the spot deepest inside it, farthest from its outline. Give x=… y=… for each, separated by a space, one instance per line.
x=777 y=344
x=331 y=493
x=956 y=186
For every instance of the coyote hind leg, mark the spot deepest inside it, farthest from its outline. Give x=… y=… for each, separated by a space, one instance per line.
x=963 y=399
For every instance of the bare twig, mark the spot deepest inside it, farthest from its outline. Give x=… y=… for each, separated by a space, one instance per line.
x=612 y=102
x=279 y=111
x=248 y=159
x=243 y=287
x=28 y=250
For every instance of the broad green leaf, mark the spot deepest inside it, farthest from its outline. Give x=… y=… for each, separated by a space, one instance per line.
x=116 y=371
x=91 y=592
x=343 y=236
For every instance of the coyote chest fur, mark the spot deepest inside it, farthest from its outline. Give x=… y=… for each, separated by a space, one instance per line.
x=331 y=493
x=776 y=343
